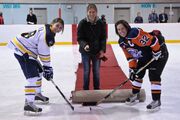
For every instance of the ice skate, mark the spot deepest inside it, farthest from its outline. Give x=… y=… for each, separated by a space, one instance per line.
x=133 y=99
x=154 y=105
x=31 y=109
x=39 y=98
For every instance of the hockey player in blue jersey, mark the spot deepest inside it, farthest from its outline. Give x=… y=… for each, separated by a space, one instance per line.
x=27 y=48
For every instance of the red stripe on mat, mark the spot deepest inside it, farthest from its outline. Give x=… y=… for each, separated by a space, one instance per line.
x=111 y=74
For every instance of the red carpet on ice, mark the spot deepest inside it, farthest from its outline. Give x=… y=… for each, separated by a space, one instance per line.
x=111 y=73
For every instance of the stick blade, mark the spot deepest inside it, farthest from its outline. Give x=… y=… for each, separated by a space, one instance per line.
x=89 y=104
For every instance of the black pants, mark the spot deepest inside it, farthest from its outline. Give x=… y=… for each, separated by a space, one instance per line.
x=155 y=70
x=30 y=68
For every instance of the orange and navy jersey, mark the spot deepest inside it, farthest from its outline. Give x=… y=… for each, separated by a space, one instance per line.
x=143 y=39
x=138 y=46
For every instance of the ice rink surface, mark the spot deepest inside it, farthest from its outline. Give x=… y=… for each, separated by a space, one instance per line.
x=64 y=61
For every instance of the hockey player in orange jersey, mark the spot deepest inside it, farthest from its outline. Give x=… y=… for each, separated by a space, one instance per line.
x=139 y=48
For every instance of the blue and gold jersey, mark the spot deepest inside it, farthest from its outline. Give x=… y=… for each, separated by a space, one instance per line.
x=34 y=43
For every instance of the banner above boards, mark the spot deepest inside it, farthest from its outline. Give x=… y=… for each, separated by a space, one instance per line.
x=10 y=6
x=148 y=5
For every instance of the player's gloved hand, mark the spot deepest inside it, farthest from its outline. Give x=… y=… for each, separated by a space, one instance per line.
x=156 y=55
x=48 y=73
x=132 y=74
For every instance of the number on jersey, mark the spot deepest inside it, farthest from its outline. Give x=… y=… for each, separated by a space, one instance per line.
x=28 y=34
x=144 y=40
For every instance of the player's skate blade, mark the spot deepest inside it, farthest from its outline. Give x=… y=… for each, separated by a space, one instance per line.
x=132 y=100
x=31 y=109
x=40 y=99
x=154 y=106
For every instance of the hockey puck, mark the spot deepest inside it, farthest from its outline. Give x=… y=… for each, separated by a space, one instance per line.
x=89 y=103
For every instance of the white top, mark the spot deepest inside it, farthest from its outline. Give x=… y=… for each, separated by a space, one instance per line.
x=34 y=43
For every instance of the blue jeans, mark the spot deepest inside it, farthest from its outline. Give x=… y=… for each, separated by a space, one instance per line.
x=86 y=61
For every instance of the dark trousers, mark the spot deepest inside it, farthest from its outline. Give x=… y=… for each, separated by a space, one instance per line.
x=86 y=61
x=29 y=67
x=155 y=70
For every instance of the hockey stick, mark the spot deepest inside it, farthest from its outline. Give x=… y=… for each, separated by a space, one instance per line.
x=116 y=88
x=72 y=107
x=41 y=67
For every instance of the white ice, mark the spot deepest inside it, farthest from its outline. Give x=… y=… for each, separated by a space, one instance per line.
x=64 y=61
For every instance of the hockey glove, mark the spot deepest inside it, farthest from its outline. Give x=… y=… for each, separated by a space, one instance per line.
x=47 y=73
x=132 y=74
x=156 y=55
